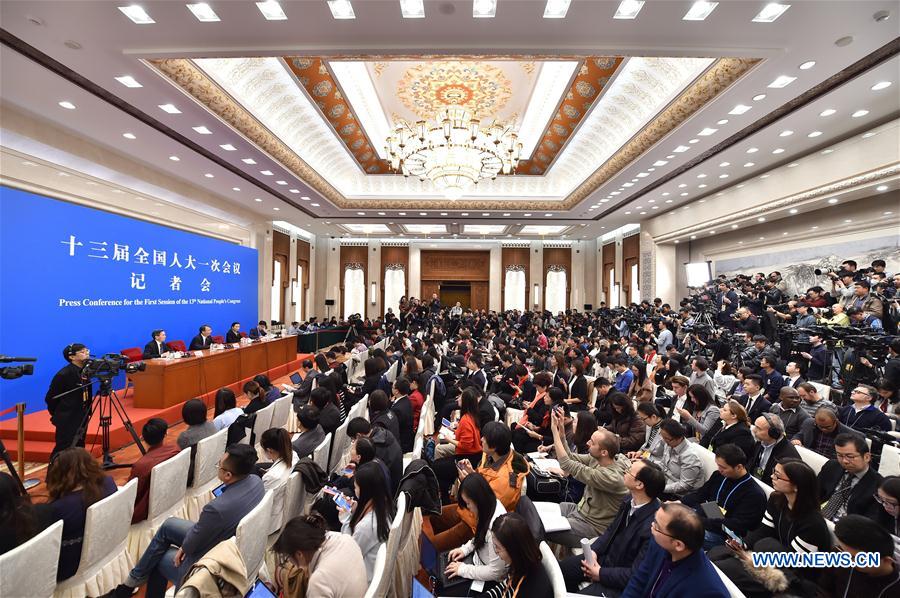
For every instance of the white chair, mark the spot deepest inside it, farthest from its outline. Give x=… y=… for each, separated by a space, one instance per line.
x=168 y=484
x=339 y=446
x=426 y=418
x=381 y=581
x=408 y=552
x=262 y=421
x=281 y=412
x=766 y=488
x=707 y=459
x=105 y=560
x=823 y=390
x=812 y=458
x=30 y=569
x=513 y=415
x=392 y=372
x=394 y=538
x=293 y=498
x=890 y=461
x=733 y=590
x=252 y=537
x=320 y=453
x=551 y=566
x=206 y=470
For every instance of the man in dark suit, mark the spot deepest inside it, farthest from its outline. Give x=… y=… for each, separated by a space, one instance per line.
x=755 y=403
x=773 y=445
x=157 y=347
x=847 y=484
x=178 y=544
x=202 y=341
x=402 y=409
x=476 y=376
x=619 y=550
x=308 y=374
x=311 y=433
x=66 y=401
x=726 y=304
x=772 y=378
x=675 y=565
x=794 y=373
x=260 y=331
x=234 y=333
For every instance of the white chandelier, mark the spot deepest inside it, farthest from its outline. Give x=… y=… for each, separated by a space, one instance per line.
x=454 y=152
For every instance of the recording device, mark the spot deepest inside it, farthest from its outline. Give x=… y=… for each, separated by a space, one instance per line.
x=259 y=590
x=11 y=372
x=109 y=366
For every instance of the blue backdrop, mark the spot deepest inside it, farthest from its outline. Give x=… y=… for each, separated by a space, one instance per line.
x=74 y=274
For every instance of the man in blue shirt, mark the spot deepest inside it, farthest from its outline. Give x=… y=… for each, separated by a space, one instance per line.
x=625 y=376
x=772 y=378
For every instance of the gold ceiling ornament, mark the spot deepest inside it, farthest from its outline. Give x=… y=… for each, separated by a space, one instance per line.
x=454 y=152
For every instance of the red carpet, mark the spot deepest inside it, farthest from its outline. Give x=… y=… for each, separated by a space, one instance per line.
x=39 y=432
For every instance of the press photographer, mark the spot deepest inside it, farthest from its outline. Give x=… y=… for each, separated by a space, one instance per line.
x=68 y=399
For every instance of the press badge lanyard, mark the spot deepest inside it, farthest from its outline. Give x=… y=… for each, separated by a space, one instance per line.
x=722 y=485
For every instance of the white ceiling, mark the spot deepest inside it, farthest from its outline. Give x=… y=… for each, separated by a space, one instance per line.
x=109 y=45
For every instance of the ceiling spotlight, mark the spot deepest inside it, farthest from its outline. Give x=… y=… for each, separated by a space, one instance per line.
x=704 y=186
x=294 y=190
x=682 y=185
x=202 y=130
x=793 y=210
x=807 y=65
x=881 y=188
x=826 y=152
x=724 y=121
x=833 y=200
x=699 y=11
x=129 y=136
x=276 y=209
x=761 y=219
x=209 y=175
x=770 y=12
x=680 y=149
x=272 y=10
x=235 y=188
x=759 y=96
x=304 y=197
x=724 y=164
x=739 y=109
x=174 y=158
x=793 y=164
x=412 y=9
x=129 y=81
x=170 y=108
x=814 y=134
x=787 y=133
x=881 y=85
x=701 y=176
x=749 y=164
x=283 y=183
x=734 y=226
x=203 y=12
x=67 y=105
x=484 y=9
x=248 y=161
x=228 y=147
x=628 y=9
x=782 y=81
x=859 y=113
x=827 y=112
x=266 y=172
x=660 y=163
x=752 y=150
x=707 y=131
x=693 y=141
x=723 y=176
x=556 y=9
x=778 y=150
x=137 y=14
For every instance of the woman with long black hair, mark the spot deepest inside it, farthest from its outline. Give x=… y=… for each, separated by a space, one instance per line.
x=370 y=519
x=516 y=546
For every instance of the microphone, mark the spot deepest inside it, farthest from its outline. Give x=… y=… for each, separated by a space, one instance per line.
x=6 y=359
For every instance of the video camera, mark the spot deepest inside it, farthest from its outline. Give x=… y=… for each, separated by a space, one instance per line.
x=11 y=372
x=108 y=367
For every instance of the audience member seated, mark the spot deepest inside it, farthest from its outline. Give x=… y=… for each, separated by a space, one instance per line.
x=674 y=565
x=733 y=428
x=811 y=400
x=738 y=501
x=370 y=519
x=316 y=562
x=819 y=433
x=194 y=414
x=416 y=399
x=684 y=470
x=179 y=543
x=226 y=411
x=771 y=447
x=329 y=413
x=700 y=376
x=602 y=407
x=533 y=428
x=888 y=497
x=861 y=413
x=625 y=424
x=681 y=399
x=74 y=482
x=755 y=403
x=792 y=523
x=301 y=392
x=772 y=379
x=261 y=330
x=519 y=550
x=705 y=412
x=789 y=411
x=19 y=519
x=620 y=549
x=270 y=392
x=402 y=409
x=310 y=433
x=601 y=471
x=255 y=396
x=153 y=434
x=477 y=559
x=794 y=376
x=276 y=444
x=578 y=388
x=380 y=413
x=465 y=445
x=857 y=534
x=653 y=443
x=624 y=375
x=387 y=450
x=847 y=485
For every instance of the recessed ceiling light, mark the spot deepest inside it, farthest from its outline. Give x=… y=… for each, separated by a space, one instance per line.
x=782 y=81
x=628 y=213
x=778 y=150
x=859 y=113
x=315 y=205
x=668 y=201
x=527 y=215
x=807 y=65
x=129 y=136
x=770 y=12
x=660 y=163
x=827 y=112
x=281 y=182
x=669 y=157
x=341 y=9
x=815 y=134
x=723 y=176
x=827 y=151
x=360 y=213
x=786 y=133
x=761 y=219
x=666 y=193
x=641 y=175
x=174 y=158
x=739 y=109
x=548 y=215
x=869 y=134
x=209 y=175
x=304 y=197
x=793 y=210
x=276 y=209
x=202 y=130
x=412 y=9
x=258 y=200
x=682 y=185
x=699 y=11
x=707 y=131
x=793 y=164
x=203 y=12
x=556 y=9
x=752 y=150
x=833 y=200
x=724 y=164
x=272 y=10
x=615 y=193
x=887 y=213
x=694 y=141
x=67 y=105
x=734 y=226
x=749 y=164
x=628 y=184
x=651 y=169
x=266 y=172
x=765 y=176
x=848 y=220
x=881 y=188
x=137 y=14
x=881 y=85
x=693 y=236
x=685 y=194
x=701 y=176
x=484 y=9
x=235 y=188
x=703 y=186
x=128 y=81
x=680 y=149
x=248 y=160
x=724 y=121
x=170 y=108
x=759 y=96
x=228 y=147
x=628 y=9
x=294 y=190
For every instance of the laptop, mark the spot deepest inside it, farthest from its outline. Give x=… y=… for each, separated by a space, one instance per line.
x=435 y=564
x=259 y=590
x=420 y=591
x=296 y=379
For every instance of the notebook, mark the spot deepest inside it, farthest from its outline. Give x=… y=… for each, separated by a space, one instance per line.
x=552 y=517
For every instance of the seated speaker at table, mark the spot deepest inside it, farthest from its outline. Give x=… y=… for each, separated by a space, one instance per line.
x=234 y=333
x=203 y=340
x=156 y=347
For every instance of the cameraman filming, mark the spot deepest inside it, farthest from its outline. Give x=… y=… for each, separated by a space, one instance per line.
x=66 y=400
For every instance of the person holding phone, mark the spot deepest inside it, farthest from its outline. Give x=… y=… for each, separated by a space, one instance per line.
x=368 y=518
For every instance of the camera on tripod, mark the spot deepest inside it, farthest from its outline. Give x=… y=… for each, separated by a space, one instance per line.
x=11 y=372
x=108 y=367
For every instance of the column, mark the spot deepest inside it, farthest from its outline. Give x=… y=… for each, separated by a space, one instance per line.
x=314 y=303
x=495 y=280
x=374 y=310
x=536 y=272
x=578 y=295
x=415 y=271
x=263 y=235
x=332 y=276
x=289 y=299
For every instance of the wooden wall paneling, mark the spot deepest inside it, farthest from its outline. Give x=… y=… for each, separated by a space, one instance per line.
x=609 y=263
x=354 y=254
x=394 y=255
x=631 y=248
x=558 y=256
x=281 y=253
x=455 y=265
x=515 y=256
x=303 y=258
x=429 y=287
x=479 y=293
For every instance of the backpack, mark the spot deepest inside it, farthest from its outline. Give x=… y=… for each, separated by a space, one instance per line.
x=440 y=389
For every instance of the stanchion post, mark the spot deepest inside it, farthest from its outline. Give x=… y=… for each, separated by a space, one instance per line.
x=20 y=438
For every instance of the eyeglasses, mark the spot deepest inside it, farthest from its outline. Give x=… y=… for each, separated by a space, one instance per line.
x=885 y=502
x=226 y=470
x=778 y=476
x=657 y=529
x=846 y=457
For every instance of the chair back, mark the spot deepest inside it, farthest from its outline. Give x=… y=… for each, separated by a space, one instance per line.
x=177 y=346
x=133 y=354
x=823 y=390
x=263 y=421
x=30 y=569
x=206 y=459
x=394 y=538
x=108 y=521
x=890 y=461
x=293 y=497
x=551 y=566
x=281 y=411
x=766 y=488
x=168 y=482
x=251 y=535
x=591 y=392
x=320 y=453
x=340 y=445
x=733 y=590
x=381 y=581
x=707 y=459
x=812 y=458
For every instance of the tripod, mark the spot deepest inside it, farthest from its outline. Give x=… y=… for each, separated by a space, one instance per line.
x=23 y=486
x=104 y=402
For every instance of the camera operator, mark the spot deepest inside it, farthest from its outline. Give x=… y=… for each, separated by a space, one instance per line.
x=726 y=305
x=663 y=338
x=892 y=366
x=68 y=411
x=841 y=285
x=747 y=322
x=861 y=319
x=864 y=300
x=778 y=282
x=838 y=317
